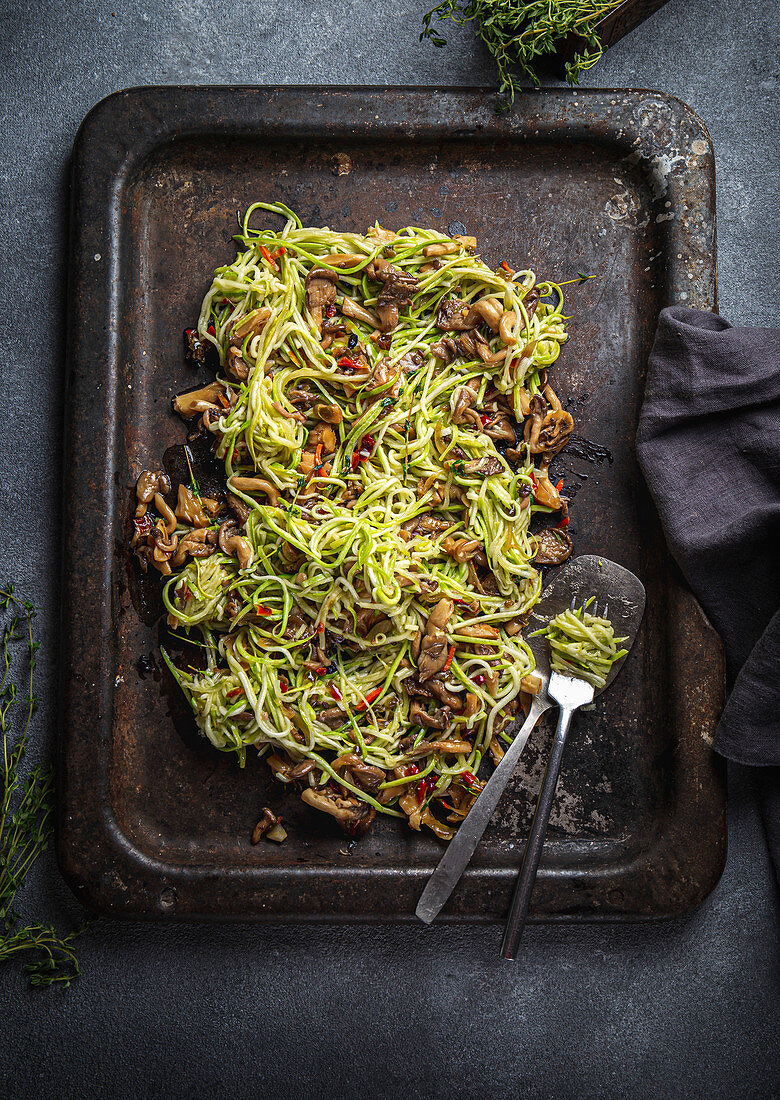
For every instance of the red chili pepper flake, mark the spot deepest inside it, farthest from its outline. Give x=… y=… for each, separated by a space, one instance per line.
x=422 y=790
x=320 y=628
x=236 y=691
x=470 y=779
x=478 y=679
x=330 y=311
x=210 y=329
x=321 y=670
x=318 y=457
x=335 y=692
x=533 y=480
x=283 y=686
x=506 y=266
x=268 y=257
x=346 y=363
x=262 y=610
x=280 y=251
x=226 y=302
x=559 y=486
x=450 y=655
x=370 y=698
x=564 y=522
x=486 y=419
x=143 y=525
x=410 y=769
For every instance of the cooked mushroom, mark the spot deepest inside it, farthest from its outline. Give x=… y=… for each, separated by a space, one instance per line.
x=199 y=543
x=251 y=325
x=461 y=549
x=399 y=290
x=353 y=816
x=235 y=365
x=366 y=774
x=451 y=316
x=464 y=398
x=192 y=510
x=488 y=310
x=206 y=399
x=266 y=822
x=554 y=546
x=545 y=492
x=443 y=694
x=351 y=308
x=320 y=292
x=322 y=434
x=437 y=719
x=255 y=485
x=328 y=414
x=445 y=349
x=433 y=647
x=149 y=484
x=554 y=433
x=500 y=427
x=486 y=466
x=448 y=748
x=233 y=544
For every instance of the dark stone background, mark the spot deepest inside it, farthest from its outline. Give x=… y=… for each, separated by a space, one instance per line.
x=687 y=1007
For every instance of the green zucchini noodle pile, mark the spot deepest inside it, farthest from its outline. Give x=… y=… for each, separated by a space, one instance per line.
x=386 y=425
x=582 y=645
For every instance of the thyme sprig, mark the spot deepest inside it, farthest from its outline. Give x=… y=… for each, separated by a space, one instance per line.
x=26 y=808
x=519 y=32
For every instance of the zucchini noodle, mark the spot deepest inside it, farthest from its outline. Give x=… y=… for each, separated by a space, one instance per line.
x=582 y=645
x=371 y=500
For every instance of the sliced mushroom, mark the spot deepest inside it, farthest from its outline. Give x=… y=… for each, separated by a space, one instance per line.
x=192 y=510
x=446 y=349
x=322 y=434
x=433 y=647
x=235 y=365
x=266 y=822
x=554 y=433
x=461 y=549
x=367 y=775
x=195 y=544
x=501 y=428
x=206 y=399
x=353 y=816
x=351 y=308
x=488 y=310
x=150 y=483
x=464 y=399
x=251 y=325
x=554 y=546
x=443 y=694
x=451 y=316
x=399 y=290
x=451 y=748
x=486 y=466
x=437 y=719
x=233 y=544
x=328 y=414
x=320 y=292
x=255 y=485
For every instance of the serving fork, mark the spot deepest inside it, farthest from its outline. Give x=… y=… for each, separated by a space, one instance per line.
x=579 y=579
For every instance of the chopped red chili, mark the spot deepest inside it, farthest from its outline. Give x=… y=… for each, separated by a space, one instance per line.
x=280 y=251
x=335 y=692
x=236 y=691
x=210 y=329
x=559 y=486
x=268 y=257
x=410 y=769
x=506 y=266
x=564 y=522
x=422 y=790
x=261 y=609
x=330 y=311
x=486 y=418
x=321 y=670
x=320 y=628
x=372 y=695
x=346 y=363
x=478 y=679
x=450 y=655
x=469 y=778
x=283 y=686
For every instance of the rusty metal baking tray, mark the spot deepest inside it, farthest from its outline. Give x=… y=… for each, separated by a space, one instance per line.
x=155 y=823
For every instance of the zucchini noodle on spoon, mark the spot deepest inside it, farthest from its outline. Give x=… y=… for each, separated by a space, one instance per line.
x=386 y=425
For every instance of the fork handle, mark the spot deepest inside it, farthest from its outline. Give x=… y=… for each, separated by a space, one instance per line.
x=521 y=899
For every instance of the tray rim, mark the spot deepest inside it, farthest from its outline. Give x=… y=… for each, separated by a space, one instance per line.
x=172 y=890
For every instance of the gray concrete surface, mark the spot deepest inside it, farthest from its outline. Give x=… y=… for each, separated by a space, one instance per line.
x=683 y=1008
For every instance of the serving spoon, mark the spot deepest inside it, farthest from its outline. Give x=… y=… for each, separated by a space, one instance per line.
x=575 y=582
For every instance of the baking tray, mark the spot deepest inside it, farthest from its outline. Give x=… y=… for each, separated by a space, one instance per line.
x=155 y=823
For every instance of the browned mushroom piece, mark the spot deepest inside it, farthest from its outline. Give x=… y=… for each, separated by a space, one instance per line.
x=233 y=544
x=322 y=434
x=192 y=510
x=328 y=414
x=485 y=466
x=302 y=395
x=320 y=292
x=488 y=311
x=398 y=290
x=367 y=775
x=438 y=719
x=251 y=325
x=464 y=399
x=452 y=314
x=235 y=366
x=461 y=550
x=351 y=308
x=206 y=399
x=530 y=302
x=255 y=485
x=353 y=816
x=195 y=544
x=266 y=822
x=554 y=546
x=500 y=427
x=239 y=509
x=446 y=349
x=150 y=483
x=447 y=748
x=433 y=647
x=437 y=687
x=554 y=433
x=545 y=492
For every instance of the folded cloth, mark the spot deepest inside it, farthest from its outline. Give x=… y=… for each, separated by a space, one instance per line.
x=709 y=446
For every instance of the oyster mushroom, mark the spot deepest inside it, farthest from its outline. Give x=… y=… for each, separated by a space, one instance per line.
x=234 y=545
x=193 y=510
x=353 y=816
x=553 y=546
x=206 y=399
x=149 y=484
x=320 y=292
x=255 y=485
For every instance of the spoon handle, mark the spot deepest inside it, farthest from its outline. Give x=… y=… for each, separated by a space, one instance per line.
x=460 y=850
x=521 y=899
